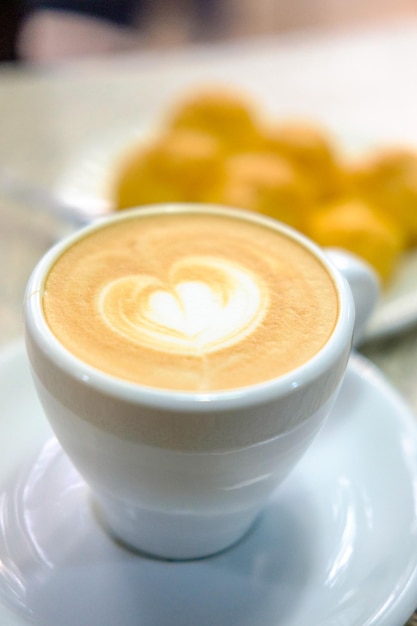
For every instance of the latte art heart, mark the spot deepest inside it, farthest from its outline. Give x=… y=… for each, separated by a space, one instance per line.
x=205 y=305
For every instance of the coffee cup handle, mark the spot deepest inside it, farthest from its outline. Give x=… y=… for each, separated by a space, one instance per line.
x=364 y=284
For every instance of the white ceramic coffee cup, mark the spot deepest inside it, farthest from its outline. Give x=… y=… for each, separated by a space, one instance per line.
x=218 y=456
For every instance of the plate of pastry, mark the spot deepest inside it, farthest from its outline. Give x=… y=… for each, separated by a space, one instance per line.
x=215 y=145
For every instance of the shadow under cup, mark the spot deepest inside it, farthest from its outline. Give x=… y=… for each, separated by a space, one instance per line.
x=182 y=474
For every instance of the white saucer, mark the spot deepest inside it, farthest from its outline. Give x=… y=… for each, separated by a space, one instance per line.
x=336 y=547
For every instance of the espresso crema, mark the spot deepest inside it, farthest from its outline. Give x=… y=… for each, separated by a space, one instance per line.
x=190 y=301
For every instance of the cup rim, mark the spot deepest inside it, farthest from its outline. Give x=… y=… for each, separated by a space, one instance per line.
x=174 y=400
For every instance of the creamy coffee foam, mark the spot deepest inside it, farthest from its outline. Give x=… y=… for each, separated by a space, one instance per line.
x=190 y=301
x=207 y=304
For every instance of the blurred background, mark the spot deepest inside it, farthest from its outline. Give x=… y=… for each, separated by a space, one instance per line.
x=36 y=30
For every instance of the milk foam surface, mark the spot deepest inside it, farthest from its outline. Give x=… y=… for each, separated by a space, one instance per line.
x=207 y=304
x=190 y=301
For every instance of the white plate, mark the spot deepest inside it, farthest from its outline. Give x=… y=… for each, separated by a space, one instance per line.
x=86 y=184
x=397 y=309
x=85 y=187
x=336 y=547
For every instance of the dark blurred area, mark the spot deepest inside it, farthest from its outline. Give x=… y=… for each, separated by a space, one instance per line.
x=11 y=13
x=43 y=30
x=48 y=30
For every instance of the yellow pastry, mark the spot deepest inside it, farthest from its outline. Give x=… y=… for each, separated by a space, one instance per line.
x=389 y=180
x=135 y=184
x=357 y=226
x=224 y=113
x=263 y=183
x=310 y=151
x=177 y=166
